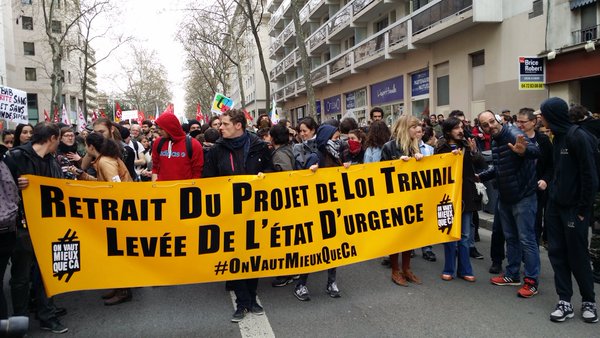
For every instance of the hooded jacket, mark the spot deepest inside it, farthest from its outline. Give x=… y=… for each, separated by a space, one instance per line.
x=515 y=174
x=283 y=158
x=224 y=160
x=23 y=160
x=324 y=134
x=172 y=162
x=575 y=182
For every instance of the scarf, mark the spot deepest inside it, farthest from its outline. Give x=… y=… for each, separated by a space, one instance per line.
x=238 y=143
x=333 y=148
x=65 y=149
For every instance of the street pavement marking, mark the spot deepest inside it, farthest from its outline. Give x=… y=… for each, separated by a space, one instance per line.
x=254 y=325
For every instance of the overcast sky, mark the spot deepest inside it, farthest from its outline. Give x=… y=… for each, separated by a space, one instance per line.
x=154 y=24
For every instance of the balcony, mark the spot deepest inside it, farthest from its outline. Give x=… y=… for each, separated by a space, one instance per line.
x=290 y=89
x=319 y=75
x=341 y=66
x=279 y=94
x=272 y=5
x=440 y=19
x=339 y=25
x=289 y=61
x=287 y=33
x=316 y=42
x=364 y=11
x=275 y=49
x=585 y=35
x=276 y=22
x=316 y=9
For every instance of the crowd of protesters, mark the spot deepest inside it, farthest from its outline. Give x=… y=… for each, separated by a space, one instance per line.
x=538 y=159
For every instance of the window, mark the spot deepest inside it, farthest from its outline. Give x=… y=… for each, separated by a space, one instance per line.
x=56 y=26
x=69 y=74
x=27 y=22
x=442 y=84
x=28 y=48
x=26 y=2
x=32 y=106
x=30 y=74
x=589 y=30
x=478 y=76
x=538 y=9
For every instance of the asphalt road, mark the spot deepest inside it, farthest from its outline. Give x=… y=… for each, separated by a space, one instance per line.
x=370 y=306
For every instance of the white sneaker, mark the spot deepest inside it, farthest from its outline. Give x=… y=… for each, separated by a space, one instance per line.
x=563 y=311
x=588 y=312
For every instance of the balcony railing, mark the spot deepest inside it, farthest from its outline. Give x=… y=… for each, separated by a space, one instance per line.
x=398 y=34
x=290 y=88
x=341 y=19
x=287 y=32
x=359 y=5
x=319 y=73
x=289 y=61
x=275 y=45
x=279 y=93
x=318 y=37
x=342 y=63
x=275 y=17
x=586 y=34
x=433 y=14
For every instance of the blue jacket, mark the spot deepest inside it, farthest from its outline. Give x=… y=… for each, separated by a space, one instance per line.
x=515 y=174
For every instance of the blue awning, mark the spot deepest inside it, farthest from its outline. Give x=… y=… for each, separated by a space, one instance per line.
x=580 y=3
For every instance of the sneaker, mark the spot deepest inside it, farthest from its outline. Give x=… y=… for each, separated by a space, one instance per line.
x=588 y=312
x=53 y=326
x=257 y=309
x=386 y=262
x=503 y=280
x=333 y=291
x=475 y=254
x=429 y=256
x=529 y=288
x=563 y=311
x=496 y=268
x=301 y=292
x=239 y=314
x=282 y=281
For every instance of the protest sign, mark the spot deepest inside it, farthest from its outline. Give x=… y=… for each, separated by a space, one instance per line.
x=94 y=235
x=13 y=105
x=221 y=104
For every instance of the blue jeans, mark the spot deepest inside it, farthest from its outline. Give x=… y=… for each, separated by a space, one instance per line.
x=464 y=263
x=518 y=223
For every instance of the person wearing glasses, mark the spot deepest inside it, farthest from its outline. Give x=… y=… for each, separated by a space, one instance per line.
x=544 y=167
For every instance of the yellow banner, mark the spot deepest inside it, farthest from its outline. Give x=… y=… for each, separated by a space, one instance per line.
x=96 y=235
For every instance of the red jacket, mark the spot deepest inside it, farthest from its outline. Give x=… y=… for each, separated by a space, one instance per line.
x=172 y=161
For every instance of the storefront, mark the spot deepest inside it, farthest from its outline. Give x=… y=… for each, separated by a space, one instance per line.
x=356 y=106
x=333 y=107
x=419 y=93
x=389 y=95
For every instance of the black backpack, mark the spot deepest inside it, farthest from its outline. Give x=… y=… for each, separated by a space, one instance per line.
x=593 y=141
x=188 y=145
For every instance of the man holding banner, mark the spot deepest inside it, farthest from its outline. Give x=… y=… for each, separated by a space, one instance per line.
x=33 y=158
x=239 y=152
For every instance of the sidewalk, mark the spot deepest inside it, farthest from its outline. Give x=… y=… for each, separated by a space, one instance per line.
x=486 y=220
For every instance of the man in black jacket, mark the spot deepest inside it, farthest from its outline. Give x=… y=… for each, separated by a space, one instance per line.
x=239 y=152
x=514 y=169
x=569 y=211
x=34 y=158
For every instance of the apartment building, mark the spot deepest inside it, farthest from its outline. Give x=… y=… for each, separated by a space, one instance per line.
x=26 y=61
x=573 y=58
x=407 y=56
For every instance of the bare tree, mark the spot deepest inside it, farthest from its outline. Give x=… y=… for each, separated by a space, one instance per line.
x=54 y=22
x=218 y=28
x=147 y=84
x=88 y=35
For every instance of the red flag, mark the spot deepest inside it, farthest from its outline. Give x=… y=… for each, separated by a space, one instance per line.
x=118 y=112
x=102 y=114
x=56 y=116
x=169 y=109
x=94 y=115
x=199 y=116
x=248 y=116
x=141 y=116
x=46 y=116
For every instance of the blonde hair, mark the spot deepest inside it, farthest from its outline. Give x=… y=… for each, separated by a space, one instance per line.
x=401 y=134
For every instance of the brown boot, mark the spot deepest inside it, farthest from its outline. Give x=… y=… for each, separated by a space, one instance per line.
x=121 y=296
x=110 y=294
x=398 y=278
x=410 y=276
